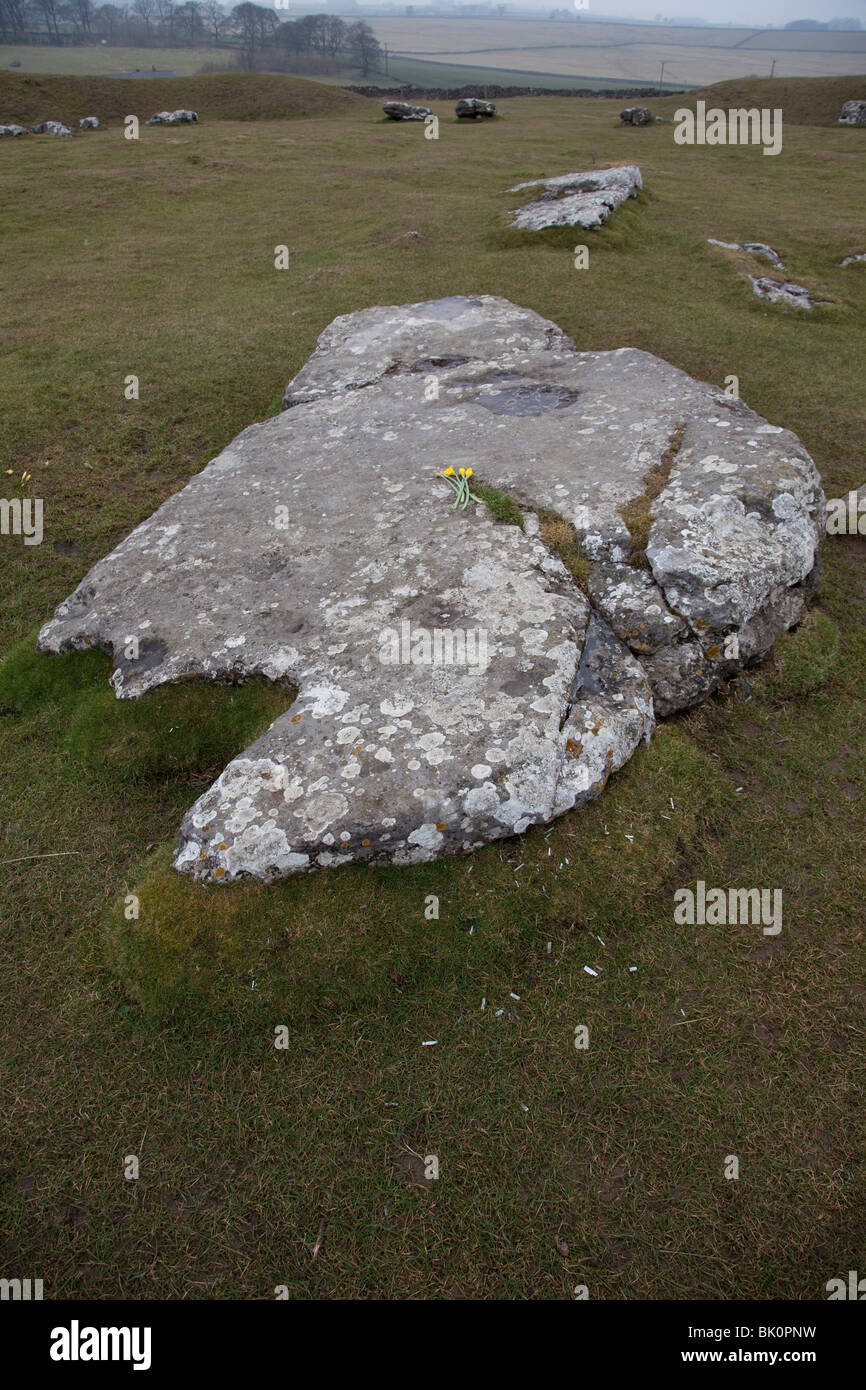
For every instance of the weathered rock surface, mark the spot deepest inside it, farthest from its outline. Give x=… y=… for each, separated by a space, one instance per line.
x=853 y=113
x=89 y=123
x=180 y=117
x=320 y=547
x=10 y=130
x=577 y=200
x=404 y=111
x=637 y=115
x=50 y=128
x=783 y=292
x=751 y=248
x=474 y=108
x=854 y=260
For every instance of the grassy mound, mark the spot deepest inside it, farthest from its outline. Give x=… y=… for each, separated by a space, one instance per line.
x=804 y=100
x=217 y=97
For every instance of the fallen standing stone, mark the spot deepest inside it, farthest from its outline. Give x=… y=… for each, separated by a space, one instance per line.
x=783 y=292
x=577 y=200
x=321 y=549
x=50 y=128
x=751 y=248
x=853 y=113
x=402 y=111
x=473 y=108
x=637 y=115
x=181 y=117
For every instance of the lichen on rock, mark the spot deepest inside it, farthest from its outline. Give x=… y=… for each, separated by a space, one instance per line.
x=454 y=685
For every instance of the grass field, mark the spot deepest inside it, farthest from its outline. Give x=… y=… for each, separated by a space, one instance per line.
x=92 y=60
x=235 y=95
x=632 y=54
x=454 y=74
x=155 y=1036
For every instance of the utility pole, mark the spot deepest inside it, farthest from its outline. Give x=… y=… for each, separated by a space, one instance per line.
x=661 y=79
x=773 y=68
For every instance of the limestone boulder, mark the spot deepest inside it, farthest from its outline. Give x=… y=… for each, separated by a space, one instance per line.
x=180 y=117
x=783 y=292
x=751 y=248
x=88 y=123
x=473 y=108
x=12 y=130
x=454 y=684
x=853 y=113
x=577 y=200
x=637 y=115
x=403 y=111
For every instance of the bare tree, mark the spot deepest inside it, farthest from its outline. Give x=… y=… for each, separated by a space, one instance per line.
x=214 y=19
x=145 y=11
x=188 y=19
x=334 y=36
x=254 y=24
x=11 y=19
x=364 y=47
x=165 y=15
x=110 y=19
x=83 y=12
x=49 y=11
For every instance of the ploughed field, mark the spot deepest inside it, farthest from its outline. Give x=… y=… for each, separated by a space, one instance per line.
x=154 y=1035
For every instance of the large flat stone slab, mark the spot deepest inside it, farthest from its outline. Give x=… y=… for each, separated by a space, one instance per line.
x=321 y=549
x=577 y=200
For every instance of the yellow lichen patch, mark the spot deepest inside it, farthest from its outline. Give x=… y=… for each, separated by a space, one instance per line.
x=365 y=842
x=572 y=749
x=222 y=845
x=440 y=825
x=219 y=873
x=296 y=719
x=714 y=652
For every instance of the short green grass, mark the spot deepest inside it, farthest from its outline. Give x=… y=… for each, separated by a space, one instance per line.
x=94 y=60
x=153 y=1034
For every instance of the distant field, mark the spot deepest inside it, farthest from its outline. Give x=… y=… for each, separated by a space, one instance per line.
x=436 y=74
x=632 y=54
x=96 y=61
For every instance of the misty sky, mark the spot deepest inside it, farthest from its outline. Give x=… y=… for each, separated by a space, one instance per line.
x=745 y=12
